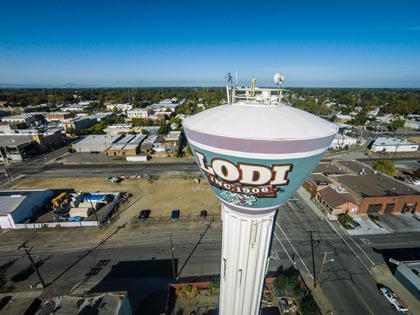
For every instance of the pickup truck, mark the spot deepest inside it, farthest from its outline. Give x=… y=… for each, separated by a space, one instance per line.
x=393 y=298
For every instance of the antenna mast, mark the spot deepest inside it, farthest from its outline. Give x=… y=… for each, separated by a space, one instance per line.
x=228 y=78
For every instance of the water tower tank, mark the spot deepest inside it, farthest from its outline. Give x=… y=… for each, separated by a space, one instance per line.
x=255 y=156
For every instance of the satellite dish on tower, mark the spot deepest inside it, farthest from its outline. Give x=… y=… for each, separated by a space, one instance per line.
x=278 y=78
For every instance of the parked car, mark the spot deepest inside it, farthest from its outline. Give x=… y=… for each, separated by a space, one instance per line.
x=144 y=214
x=393 y=298
x=203 y=214
x=115 y=180
x=175 y=215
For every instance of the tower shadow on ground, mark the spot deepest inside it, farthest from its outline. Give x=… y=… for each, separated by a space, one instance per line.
x=146 y=282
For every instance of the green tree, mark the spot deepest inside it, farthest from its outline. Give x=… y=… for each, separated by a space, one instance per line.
x=164 y=128
x=344 y=219
x=189 y=151
x=308 y=306
x=360 y=119
x=396 y=124
x=384 y=166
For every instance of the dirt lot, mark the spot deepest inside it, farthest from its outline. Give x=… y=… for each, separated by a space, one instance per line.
x=159 y=195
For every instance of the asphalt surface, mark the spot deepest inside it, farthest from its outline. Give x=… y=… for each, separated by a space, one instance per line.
x=346 y=281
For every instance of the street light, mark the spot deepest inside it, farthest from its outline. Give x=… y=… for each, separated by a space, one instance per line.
x=324 y=261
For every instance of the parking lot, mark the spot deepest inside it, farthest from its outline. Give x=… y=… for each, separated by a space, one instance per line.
x=400 y=223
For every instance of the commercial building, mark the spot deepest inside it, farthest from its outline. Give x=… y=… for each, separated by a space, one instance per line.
x=165 y=105
x=412 y=124
x=95 y=143
x=354 y=188
x=121 y=107
x=342 y=141
x=108 y=303
x=166 y=145
x=18 y=146
x=393 y=145
x=129 y=145
x=56 y=116
x=120 y=129
x=28 y=119
x=139 y=113
x=17 y=206
x=408 y=273
x=76 y=125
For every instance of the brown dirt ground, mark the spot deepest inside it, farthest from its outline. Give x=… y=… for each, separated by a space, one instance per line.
x=414 y=139
x=159 y=195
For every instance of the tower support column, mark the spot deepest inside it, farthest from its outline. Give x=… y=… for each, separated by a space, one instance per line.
x=245 y=256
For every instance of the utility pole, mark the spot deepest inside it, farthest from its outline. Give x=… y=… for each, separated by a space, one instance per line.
x=172 y=256
x=313 y=258
x=324 y=260
x=28 y=253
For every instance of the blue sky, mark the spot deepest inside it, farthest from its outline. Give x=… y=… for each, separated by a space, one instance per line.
x=195 y=43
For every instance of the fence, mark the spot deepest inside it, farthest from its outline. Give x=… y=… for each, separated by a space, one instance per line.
x=55 y=224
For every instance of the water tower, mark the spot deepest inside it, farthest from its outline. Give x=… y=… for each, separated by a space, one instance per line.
x=255 y=153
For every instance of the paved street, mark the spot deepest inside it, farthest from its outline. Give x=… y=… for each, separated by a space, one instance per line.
x=346 y=281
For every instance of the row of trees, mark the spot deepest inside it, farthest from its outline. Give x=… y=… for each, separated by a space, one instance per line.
x=397 y=101
x=139 y=97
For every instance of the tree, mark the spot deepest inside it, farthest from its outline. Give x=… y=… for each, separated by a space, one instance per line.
x=360 y=119
x=189 y=151
x=396 y=123
x=164 y=128
x=384 y=166
x=345 y=219
x=416 y=173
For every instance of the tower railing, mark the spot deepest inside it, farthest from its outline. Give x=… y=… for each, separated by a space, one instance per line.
x=257 y=95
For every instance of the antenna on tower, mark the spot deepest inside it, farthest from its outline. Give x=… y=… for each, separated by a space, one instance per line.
x=278 y=79
x=228 y=78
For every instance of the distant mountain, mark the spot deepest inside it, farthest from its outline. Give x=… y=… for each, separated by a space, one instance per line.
x=40 y=86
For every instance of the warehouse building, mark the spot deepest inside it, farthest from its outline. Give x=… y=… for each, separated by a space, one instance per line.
x=17 y=206
x=408 y=273
x=95 y=143
x=393 y=145
x=129 y=145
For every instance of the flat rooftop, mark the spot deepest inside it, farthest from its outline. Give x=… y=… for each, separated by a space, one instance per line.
x=95 y=139
x=367 y=182
x=98 y=304
x=8 y=204
x=392 y=142
x=15 y=140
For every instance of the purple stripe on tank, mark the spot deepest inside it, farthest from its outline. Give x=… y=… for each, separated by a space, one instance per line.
x=249 y=212
x=260 y=145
